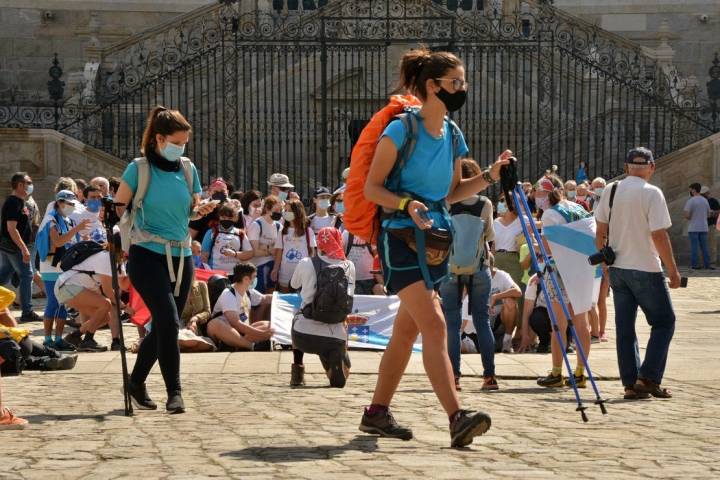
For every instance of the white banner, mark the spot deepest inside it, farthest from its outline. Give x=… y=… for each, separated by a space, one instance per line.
x=571 y=245
x=374 y=334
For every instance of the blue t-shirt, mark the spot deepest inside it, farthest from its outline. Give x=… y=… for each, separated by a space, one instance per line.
x=166 y=207
x=429 y=171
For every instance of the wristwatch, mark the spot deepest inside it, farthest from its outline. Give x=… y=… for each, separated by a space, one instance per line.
x=487 y=177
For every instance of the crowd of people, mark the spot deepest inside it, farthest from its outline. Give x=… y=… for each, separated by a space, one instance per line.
x=485 y=298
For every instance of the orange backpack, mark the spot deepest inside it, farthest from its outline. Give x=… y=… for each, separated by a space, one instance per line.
x=360 y=216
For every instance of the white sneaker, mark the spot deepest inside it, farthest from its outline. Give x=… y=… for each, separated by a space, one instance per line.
x=507 y=345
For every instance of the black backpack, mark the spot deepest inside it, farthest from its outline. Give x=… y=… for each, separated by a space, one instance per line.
x=331 y=304
x=78 y=253
x=13 y=360
x=216 y=285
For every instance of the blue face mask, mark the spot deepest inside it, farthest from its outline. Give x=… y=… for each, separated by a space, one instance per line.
x=94 y=205
x=283 y=196
x=173 y=152
x=501 y=208
x=253 y=284
x=339 y=207
x=197 y=261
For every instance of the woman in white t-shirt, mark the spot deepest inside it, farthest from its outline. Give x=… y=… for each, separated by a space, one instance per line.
x=252 y=204
x=362 y=255
x=87 y=288
x=557 y=210
x=263 y=233
x=229 y=324
x=225 y=245
x=322 y=217
x=295 y=242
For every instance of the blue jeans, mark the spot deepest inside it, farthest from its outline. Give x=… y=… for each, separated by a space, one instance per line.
x=699 y=240
x=649 y=291
x=12 y=263
x=452 y=308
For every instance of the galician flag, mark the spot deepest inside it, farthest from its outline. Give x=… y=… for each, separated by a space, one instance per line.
x=571 y=245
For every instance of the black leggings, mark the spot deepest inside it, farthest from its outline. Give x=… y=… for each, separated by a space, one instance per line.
x=149 y=275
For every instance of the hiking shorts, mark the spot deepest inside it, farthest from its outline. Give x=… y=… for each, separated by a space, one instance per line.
x=66 y=292
x=400 y=265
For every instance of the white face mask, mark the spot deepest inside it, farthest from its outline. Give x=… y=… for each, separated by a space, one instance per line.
x=502 y=208
x=571 y=194
x=543 y=203
x=598 y=191
x=324 y=204
x=283 y=196
x=67 y=210
x=29 y=189
x=289 y=216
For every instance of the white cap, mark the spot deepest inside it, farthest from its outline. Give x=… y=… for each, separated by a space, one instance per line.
x=705 y=189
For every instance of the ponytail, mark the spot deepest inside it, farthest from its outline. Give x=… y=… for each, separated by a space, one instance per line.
x=420 y=65
x=162 y=121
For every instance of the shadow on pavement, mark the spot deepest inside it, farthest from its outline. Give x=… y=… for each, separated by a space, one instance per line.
x=98 y=417
x=304 y=453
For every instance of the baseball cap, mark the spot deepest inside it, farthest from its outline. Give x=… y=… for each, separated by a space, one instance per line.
x=544 y=185
x=639 y=156
x=280 y=180
x=66 y=196
x=321 y=191
x=705 y=189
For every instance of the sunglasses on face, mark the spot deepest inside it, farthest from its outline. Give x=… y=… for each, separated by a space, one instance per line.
x=457 y=83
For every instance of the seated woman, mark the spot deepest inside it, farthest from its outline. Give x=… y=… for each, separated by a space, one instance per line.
x=85 y=288
x=194 y=316
x=229 y=325
x=311 y=335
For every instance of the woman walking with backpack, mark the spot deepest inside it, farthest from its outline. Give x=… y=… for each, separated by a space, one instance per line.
x=430 y=176
x=160 y=262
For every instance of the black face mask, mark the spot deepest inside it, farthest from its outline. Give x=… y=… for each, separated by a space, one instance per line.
x=452 y=101
x=276 y=216
x=226 y=224
x=219 y=196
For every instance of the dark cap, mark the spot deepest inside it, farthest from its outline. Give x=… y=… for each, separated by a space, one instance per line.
x=322 y=191
x=639 y=156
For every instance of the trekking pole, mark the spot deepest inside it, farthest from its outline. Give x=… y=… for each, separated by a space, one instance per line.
x=110 y=220
x=599 y=401
x=524 y=210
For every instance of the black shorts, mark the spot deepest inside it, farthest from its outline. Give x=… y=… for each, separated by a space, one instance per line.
x=405 y=269
x=332 y=351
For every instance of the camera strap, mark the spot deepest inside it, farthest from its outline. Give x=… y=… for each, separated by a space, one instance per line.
x=612 y=200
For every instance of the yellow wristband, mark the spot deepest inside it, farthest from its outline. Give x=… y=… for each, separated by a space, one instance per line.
x=404 y=203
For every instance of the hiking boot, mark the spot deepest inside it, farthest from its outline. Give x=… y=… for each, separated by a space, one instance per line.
x=467 y=425
x=90 y=345
x=384 y=424
x=175 y=404
x=62 y=346
x=73 y=338
x=63 y=362
x=297 y=375
x=490 y=383
x=8 y=420
x=551 y=381
x=139 y=397
x=30 y=317
x=115 y=345
x=580 y=382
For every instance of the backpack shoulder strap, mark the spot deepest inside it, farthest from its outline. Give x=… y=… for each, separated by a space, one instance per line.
x=308 y=232
x=317 y=265
x=143 y=181
x=456 y=135
x=351 y=240
x=410 y=122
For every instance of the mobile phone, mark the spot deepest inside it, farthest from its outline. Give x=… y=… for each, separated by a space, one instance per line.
x=683 y=282
x=423 y=214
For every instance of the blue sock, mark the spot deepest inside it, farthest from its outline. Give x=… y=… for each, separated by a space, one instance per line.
x=58 y=338
x=48 y=338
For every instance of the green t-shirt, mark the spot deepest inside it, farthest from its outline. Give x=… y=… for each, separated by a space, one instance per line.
x=166 y=207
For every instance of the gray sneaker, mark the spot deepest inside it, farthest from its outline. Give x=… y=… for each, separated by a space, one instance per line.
x=468 y=425
x=384 y=424
x=90 y=345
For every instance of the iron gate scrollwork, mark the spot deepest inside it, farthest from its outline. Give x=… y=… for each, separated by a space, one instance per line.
x=288 y=90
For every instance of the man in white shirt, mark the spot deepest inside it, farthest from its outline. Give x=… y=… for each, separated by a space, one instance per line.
x=635 y=227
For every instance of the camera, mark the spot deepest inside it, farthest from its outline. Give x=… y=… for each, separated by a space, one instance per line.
x=606 y=255
x=111 y=217
x=509 y=176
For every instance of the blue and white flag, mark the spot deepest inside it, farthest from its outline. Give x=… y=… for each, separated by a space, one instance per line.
x=571 y=245
x=380 y=312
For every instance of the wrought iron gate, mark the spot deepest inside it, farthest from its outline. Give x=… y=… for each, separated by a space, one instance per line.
x=288 y=91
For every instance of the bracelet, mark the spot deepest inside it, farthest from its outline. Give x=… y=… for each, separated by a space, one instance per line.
x=487 y=177
x=404 y=204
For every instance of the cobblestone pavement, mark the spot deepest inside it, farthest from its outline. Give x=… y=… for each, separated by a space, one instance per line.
x=244 y=422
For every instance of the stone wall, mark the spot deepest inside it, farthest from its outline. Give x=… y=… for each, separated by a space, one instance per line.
x=699 y=162
x=693 y=38
x=47 y=155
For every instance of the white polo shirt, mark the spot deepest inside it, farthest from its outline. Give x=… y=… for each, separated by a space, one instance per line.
x=638 y=210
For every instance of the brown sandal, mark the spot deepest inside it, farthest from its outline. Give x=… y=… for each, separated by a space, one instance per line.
x=643 y=385
x=632 y=394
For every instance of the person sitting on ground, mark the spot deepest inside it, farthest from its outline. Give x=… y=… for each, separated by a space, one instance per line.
x=504 y=295
x=322 y=218
x=86 y=288
x=196 y=248
x=225 y=245
x=309 y=333
x=229 y=325
x=195 y=314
